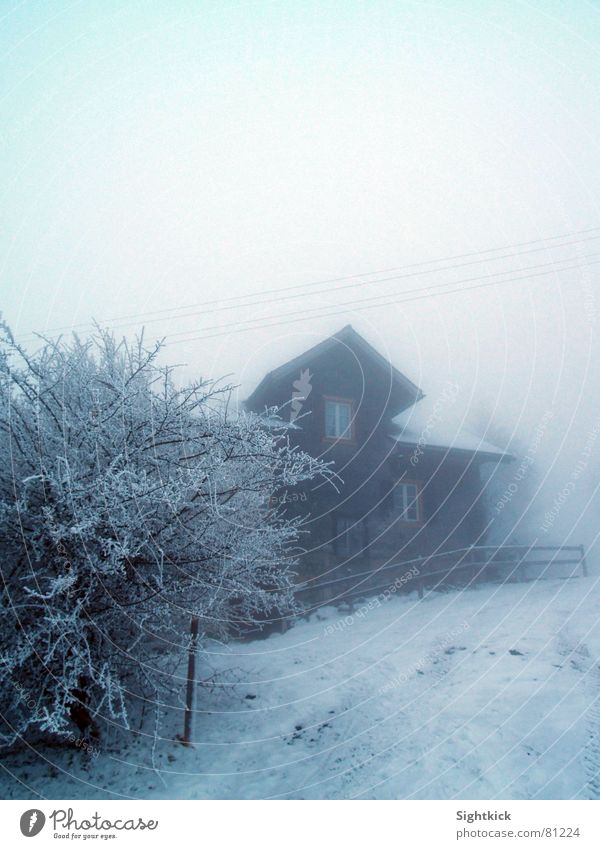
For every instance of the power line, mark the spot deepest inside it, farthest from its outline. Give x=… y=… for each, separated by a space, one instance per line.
x=232 y=302
x=436 y=286
x=288 y=297
x=226 y=329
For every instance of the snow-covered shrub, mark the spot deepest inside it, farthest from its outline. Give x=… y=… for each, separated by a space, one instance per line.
x=127 y=505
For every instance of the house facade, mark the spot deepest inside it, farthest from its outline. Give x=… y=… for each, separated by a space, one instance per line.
x=403 y=490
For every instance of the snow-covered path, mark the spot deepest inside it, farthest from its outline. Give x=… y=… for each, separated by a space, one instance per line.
x=489 y=693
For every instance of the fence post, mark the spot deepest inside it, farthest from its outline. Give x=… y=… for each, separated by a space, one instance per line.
x=584 y=570
x=191 y=686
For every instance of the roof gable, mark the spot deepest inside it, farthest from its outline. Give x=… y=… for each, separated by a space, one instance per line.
x=346 y=336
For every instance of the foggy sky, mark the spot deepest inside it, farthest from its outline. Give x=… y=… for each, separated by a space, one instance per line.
x=160 y=155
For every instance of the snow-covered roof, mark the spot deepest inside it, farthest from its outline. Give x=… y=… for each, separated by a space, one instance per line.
x=414 y=427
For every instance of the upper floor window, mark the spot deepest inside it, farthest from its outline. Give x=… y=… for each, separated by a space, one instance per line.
x=338 y=419
x=407 y=501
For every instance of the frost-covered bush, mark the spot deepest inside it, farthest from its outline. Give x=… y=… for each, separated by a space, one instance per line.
x=127 y=505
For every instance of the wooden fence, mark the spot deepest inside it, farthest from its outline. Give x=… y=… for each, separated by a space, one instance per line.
x=443 y=570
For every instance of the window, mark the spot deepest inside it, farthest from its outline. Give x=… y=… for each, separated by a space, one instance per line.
x=407 y=501
x=338 y=419
x=350 y=535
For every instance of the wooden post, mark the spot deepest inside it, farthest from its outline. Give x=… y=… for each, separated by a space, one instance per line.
x=188 y=724
x=584 y=570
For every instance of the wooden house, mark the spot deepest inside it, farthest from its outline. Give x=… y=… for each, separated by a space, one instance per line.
x=405 y=491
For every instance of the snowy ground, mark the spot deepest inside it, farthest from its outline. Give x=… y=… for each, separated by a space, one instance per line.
x=493 y=692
